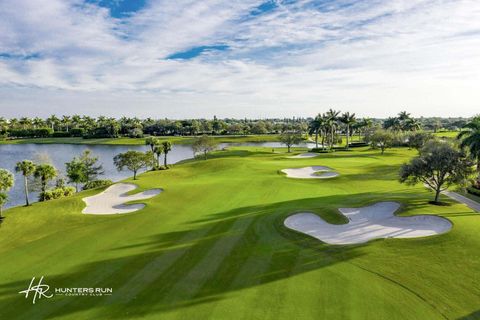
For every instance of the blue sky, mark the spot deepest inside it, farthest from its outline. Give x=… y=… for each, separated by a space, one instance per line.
x=274 y=58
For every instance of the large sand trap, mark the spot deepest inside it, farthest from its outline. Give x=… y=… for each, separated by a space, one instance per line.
x=305 y=155
x=315 y=172
x=113 y=199
x=367 y=223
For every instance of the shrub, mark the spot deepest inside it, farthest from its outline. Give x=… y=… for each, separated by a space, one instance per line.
x=31 y=133
x=76 y=132
x=57 y=193
x=473 y=190
x=320 y=150
x=61 y=134
x=97 y=184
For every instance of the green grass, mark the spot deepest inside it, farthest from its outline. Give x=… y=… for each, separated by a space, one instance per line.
x=212 y=246
x=447 y=134
x=141 y=141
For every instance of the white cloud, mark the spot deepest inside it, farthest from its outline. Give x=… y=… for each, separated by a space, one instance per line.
x=373 y=57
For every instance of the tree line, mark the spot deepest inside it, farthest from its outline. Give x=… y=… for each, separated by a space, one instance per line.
x=108 y=127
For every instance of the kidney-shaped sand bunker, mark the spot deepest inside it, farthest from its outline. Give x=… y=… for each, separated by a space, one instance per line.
x=113 y=199
x=368 y=223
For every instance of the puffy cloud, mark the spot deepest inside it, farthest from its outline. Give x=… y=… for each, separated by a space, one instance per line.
x=294 y=58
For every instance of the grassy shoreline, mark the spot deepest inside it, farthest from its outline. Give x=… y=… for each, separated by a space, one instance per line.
x=141 y=141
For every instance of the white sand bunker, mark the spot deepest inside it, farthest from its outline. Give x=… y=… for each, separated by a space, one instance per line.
x=305 y=155
x=315 y=172
x=113 y=199
x=367 y=223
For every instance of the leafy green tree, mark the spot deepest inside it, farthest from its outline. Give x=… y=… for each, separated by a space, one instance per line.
x=6 y=183
x=76 y=172
x=382 y=139
x=27 y=168
x=289 y=139
x=132 y=160
x=166 y=147
x=470 y=139
x=204 y=144
x=91 y=166
x=417 y=140
x=438 y=166
x=44 y=172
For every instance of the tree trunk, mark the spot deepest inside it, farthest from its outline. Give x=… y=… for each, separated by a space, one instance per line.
x=158 y=160
x=165 y=161
x=437 y=194
x=76 y=187
x=478 y=172
x=323 y=139
x=316 y=139
x=205 y=154
x=348 y=136
x=331 y=138
x=288 y=147
x=134 y=174
x=27 y=203
x=1 y=208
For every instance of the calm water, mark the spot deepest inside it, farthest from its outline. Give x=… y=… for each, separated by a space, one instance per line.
x=59 y=154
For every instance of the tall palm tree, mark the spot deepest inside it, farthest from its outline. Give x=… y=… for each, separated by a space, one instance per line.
x=25 y=122
x=166 y=146
x=27 y=168
x=45 y=172
x=470 y=138
x=154 y=144
x=332 y=121
x=66 y=121
x=53 y=121
x=314 y=127
x=349 y=120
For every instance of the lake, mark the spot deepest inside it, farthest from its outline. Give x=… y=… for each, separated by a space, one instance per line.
x=59 y=154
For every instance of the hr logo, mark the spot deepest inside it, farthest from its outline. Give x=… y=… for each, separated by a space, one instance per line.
x=40 y=290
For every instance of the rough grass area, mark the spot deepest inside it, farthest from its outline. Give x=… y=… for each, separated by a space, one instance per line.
x=213 y=246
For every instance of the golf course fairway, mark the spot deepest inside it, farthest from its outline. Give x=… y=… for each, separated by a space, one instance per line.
x=213 y=246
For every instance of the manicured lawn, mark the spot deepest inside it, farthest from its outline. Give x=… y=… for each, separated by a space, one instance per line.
x=141 y=141
x=447 y=134
x=213 y=246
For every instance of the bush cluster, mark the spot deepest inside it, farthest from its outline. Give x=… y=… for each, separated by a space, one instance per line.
x=473 y=190
x=57 y=193
x=97 y=184
x=31 y=133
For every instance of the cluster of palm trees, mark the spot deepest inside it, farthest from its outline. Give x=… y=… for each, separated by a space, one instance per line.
x=328 y=124
x=470 y=139
x=403 y=122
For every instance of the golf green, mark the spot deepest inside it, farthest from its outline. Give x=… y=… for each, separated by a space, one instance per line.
x=212 y=245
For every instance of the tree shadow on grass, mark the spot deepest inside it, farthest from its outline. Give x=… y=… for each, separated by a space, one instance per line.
x=210 y=260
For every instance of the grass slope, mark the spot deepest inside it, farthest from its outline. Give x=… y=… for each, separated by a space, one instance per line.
x=213 y=246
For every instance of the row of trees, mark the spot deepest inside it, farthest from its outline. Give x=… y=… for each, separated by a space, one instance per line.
x=134 y=127
x=322 y=125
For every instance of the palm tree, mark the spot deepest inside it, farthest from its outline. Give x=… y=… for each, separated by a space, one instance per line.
x=167 y=146
x=25 y=122
x=157 y=151
x=412 y=124
x=332 y=116
x=314 y=127
x=45 y=172
x=470 y=138
x=154 y=143
x=53 y=121
x=66 y=121
x=27 y=168
x=403 y=115
x=348 y=119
